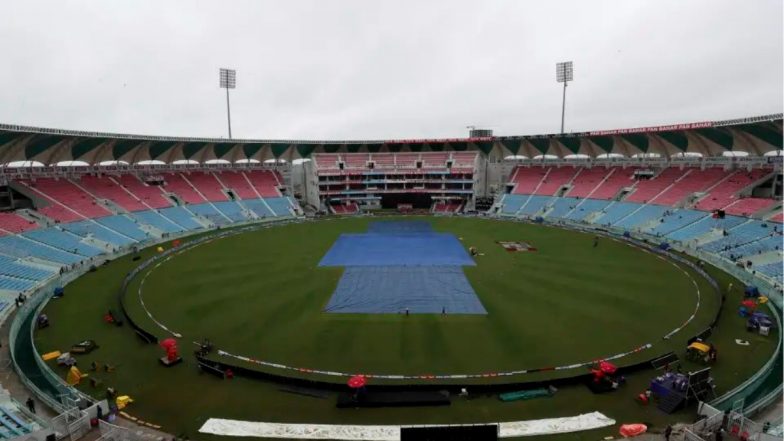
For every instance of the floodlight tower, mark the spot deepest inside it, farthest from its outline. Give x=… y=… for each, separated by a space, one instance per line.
x=228 y=80
x=563 y=74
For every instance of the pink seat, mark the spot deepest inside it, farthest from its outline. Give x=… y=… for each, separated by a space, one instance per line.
x=749 y=206
x=67 y=201
x=106 y=188
x=207 y=185
x=237 y=182
x=557 y=178
x=619 y=179
x=695 y=181
x=151 y=195
x=179 y=186
x=585 y=182
x=14 y=223
x=726 y=193
x=526 y=179
x=265 y=182
x=648 y=189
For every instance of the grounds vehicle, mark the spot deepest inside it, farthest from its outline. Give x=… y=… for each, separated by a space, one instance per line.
x=701 y=352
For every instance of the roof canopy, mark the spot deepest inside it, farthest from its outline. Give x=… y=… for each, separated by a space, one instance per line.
x=756 y=135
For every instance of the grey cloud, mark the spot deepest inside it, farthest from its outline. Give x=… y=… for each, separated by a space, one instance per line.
x=384 y=69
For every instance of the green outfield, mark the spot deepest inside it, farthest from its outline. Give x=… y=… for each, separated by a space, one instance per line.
x=261 y=294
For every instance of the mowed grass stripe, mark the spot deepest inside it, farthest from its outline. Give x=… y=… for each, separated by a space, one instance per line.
x=260 y=295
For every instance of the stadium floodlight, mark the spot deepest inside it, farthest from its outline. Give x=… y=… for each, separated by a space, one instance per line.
x=564 y=72
x=228 y=80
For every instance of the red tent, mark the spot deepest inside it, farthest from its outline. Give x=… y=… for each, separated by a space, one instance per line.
x=357 y=381
x=607 y=368
x=170 y=346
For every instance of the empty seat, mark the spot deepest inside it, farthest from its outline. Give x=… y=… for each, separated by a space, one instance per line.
x=182 y=217
x=89 y=228
x=280 y=206
x=14 y=223
x=259 y=207
x=124 y=225
x=153 y=219
x=21 y=247
x=69 y=195
x=64 y=241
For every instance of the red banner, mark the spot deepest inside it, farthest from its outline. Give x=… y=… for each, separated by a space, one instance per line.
x=438 y=141
x=698 y=125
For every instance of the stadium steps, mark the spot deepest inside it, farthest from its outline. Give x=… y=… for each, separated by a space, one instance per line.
x=124 y=225
x=534 y=205
x=58 y=239
x=13 y=423
x=628 y=210
x=672 y=186
x=93 y=241
x=95 y=234
x=704 y=193
x=259 y=194
x=232 y=210
x=737 y=183
x=587 y=175
x=209 y=211
x=12 y=267
x=766 y=258
x=560 y=207
x=201 y=220
x=281 y=206
x=208 y=201
x=642 y=217
x=677 y=220
x=46 y=205
x=149 y=196
x=585 y=208
x=156 y=223
x=105 y=203
x=181 y=217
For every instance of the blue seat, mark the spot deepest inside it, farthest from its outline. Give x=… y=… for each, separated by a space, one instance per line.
x=738 y=236
x=98 y=231
x=562 y=206
x=14 y=284
x=280 y=206
x=642 y=216
x=259 y=207
x=208 y=211
x=231 y=209
x=512 y=203
x=615 y=212
x=124 y=225
x=12 y=267
x=63 y=240
x=534 y=205
x=586 y=208
x=704 y=226
x=181 y=216
x=677 y=220
x=21 y=247
x=154 y=219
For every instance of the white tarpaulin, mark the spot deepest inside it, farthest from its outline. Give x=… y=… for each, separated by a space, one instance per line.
x=218 y=426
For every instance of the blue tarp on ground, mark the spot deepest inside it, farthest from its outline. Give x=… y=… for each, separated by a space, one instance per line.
x=392 y=289
x=398 y=266
x=397 y=249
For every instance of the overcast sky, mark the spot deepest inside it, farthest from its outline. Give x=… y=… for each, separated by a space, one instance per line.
x=365 y=69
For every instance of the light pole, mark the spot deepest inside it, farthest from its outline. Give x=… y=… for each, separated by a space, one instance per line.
x=228 y=80
x=563 y=74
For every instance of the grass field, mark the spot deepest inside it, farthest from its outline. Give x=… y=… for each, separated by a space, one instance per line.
x=261 y=294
